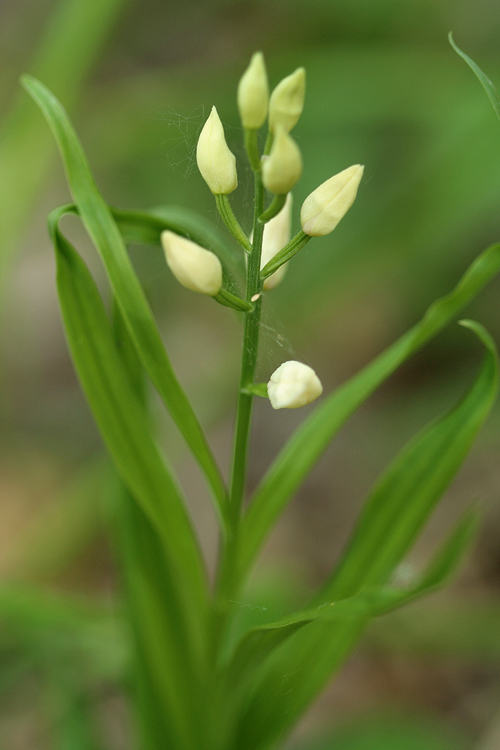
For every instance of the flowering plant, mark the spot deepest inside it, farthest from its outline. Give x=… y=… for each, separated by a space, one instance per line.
x=199 y=679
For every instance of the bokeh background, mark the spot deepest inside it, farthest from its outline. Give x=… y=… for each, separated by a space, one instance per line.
x=384 y=89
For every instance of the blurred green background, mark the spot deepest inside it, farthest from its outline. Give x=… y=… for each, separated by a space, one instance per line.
x=384 y=89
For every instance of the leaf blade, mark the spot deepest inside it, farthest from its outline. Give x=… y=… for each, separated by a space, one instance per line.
x=117 y=410
x=304 y=448
x=129 y=295
x=411 y=486
x=304 y=660
x=482 y=77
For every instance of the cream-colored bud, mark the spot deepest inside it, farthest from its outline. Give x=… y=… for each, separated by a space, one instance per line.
x=324 y=207
x=287 y=101
x=253 y=93
x=215 y=161
x=283 y=168
x=293 y=385
x=193 y=266
x=277 y=234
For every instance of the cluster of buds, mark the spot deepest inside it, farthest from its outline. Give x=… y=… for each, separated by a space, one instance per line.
x=278 y=170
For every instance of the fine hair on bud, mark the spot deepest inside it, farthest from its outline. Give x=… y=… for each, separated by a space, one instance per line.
x=253 y=94
x=215 y=161
x=287 y=101
x=194 y=267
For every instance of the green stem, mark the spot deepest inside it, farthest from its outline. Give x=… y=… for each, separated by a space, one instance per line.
x=248 y=363
x=268 y=144
x=226 y=583
x=252 y=148
x=223 y=297
x=293 y=247
x=273 y=209
x=231 y=222
x=258 y=389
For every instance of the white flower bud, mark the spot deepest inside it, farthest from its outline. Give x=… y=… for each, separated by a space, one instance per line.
x=253 y=93
x=287 y=101
x=277 y=234
x=283 y=168
x=193 y=266
x=292 y=385
x=215 y=161
x=324 y=207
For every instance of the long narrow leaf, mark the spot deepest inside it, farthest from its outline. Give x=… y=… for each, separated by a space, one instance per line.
x=483 y=78
x=129 y=295
x=311 y=439
x=146 y=227
x=409 y=489
x=395 y=513
x=168 y=665
x=119 y=414
x=167 y=670
x=306 y=656
x=257 y=643
x=74 y=33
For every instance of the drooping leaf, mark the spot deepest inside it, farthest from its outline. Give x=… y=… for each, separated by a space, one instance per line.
x=99 y=222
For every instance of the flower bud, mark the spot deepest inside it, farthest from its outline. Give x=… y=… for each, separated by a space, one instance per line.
x=324 y=207
x=277 y=234
x=253 y=94
x=292 y=385
x=283 y=168
x=287 y=101
x=215 y=161
x=193 y=266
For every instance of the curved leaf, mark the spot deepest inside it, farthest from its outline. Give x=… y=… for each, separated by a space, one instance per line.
x=146 y=226
x=401 y=502
x=309 y=441
x=119 y=414
x=410 y=488
x=482 y=77
x=129 y=295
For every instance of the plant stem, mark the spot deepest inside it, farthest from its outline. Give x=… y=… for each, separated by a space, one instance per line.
x=252 y=148
x=231 y=222
x=274 y=208
x=296 y=243
x=248 y=362
x=226 y=583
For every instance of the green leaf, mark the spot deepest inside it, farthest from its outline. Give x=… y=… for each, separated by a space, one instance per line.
x=395 y=512
x=307 y=444
x=129 y=295
x=168 y=661
x=257 y=641
x=483 y=78
x=146 y=226
x=289 y=661
x=410 y=488
x=120 y=415
x=75 y=32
